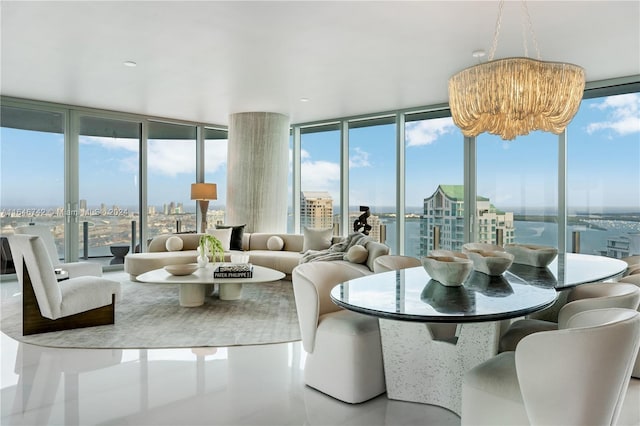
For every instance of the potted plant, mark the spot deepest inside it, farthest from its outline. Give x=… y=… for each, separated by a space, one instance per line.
x=209 y=244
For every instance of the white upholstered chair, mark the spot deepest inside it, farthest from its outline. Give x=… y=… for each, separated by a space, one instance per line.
x=633 y=279
x=49 y=305
x=392 y=262
x=577 y=375
x=581 y=298
x=75 y=269
x=344 y=352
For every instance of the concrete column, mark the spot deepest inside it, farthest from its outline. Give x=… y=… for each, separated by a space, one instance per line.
x=257 y=168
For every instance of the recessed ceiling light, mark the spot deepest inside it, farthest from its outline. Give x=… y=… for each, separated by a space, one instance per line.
x=129 y=64
x=304 y=99
x=478 y=53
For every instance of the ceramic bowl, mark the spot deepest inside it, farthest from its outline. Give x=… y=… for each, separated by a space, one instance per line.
x=490 y=262
x=481 y=247
x=532 y=254
x=448 y=270
x=184 y=269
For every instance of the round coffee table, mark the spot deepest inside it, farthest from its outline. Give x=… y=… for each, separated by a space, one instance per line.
x=192 y=286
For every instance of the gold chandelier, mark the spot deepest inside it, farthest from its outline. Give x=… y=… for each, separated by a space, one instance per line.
x=513 y=96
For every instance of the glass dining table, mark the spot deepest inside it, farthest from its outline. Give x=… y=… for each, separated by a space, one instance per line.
x=423 y=364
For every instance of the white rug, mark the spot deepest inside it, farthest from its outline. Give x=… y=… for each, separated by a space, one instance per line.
x=150 y=316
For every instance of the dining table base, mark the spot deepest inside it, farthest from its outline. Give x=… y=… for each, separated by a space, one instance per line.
x=419 y=368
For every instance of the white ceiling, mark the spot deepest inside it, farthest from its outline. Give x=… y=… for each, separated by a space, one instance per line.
x=202 y=60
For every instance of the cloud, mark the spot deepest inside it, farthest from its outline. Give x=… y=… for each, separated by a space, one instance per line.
x=319 y=175
x=623 y=114
x=359 y=158
x=426 y=132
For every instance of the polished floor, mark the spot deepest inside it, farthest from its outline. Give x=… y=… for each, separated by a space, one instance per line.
x=242 y=385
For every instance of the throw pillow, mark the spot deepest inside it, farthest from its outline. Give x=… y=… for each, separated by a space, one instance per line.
x=237 y=231
x=224 y=235
x=357 y=254
x=275 y=243
x=174 y=244
x=317 y=238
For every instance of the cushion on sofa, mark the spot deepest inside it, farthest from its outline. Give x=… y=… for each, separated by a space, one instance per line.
x=159 y=242
x=174 y=243
x=356 y=254
x=259 y=241
x=237 y=232
x=275 y=243
x=283 y=261
x=317 y=238
x=223 y=235
x=375 y=249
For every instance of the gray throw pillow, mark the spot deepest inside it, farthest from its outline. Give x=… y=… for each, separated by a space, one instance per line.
x=317 y=238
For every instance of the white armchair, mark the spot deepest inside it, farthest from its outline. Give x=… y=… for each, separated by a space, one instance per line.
x=75 y=269
x=573 y=376
x=49 y=305
x=581 y=298
x=344 y=352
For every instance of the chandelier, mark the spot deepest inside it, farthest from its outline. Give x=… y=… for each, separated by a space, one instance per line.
x=513 y=96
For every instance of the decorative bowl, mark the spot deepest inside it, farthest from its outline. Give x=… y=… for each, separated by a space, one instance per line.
x=532 y=254
x=448 y=270
x=490 y=262
x=466 y=248
x=184 y=269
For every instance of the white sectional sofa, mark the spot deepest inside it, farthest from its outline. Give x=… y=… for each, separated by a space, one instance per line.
x=253 y=244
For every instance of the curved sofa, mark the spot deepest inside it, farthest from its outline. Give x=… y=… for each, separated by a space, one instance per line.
x=253 y=244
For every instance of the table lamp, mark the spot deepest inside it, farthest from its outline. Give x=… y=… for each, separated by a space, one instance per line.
x=203 y=192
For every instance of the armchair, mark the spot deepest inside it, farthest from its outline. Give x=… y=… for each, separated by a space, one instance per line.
x=75 y=269
x=576 y=375
x=49 y=305
x=344 y=352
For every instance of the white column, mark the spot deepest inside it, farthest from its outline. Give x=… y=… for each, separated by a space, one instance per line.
x=257 y=168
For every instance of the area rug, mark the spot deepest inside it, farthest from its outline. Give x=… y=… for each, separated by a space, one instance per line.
x=150 y=316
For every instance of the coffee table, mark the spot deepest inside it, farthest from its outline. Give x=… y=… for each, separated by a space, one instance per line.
x=193 y=286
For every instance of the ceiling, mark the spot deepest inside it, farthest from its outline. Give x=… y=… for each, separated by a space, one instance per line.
x=203 y=60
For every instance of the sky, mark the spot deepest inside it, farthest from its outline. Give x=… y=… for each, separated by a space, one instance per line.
x=521 y=175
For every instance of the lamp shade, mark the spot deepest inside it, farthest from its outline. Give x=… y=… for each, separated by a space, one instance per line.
x=204 y=191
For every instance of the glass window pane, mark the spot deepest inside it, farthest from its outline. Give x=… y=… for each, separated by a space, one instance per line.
x=320 y=178
x=434 y=150
x=372 y=180
x=603 y=158
x=517 y=189
x=215 y=171
x=171 y=169
x=32 y=174
x=109 y=191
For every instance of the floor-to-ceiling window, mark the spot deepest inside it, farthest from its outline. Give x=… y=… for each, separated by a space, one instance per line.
x=320 y=176
x=603 y=176
x=434 y=170
x=108 y=166
x=32 y=155
x=517 y=189
x=372 y=177
x=215 y=171
x=171 y=169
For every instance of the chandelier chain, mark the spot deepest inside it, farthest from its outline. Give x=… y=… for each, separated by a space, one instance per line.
x=533 y=34
x=496 y=34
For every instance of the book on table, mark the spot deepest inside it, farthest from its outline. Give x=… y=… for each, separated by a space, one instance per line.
x=234 y=270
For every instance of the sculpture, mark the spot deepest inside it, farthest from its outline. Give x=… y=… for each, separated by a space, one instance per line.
x=360 y=224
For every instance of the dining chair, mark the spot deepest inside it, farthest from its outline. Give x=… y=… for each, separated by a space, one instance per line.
x=344 y=351
x=75 y=269
x=635 y=280
x=581 y=298
x=576 y=375
x=393 y=262
x=49 y=305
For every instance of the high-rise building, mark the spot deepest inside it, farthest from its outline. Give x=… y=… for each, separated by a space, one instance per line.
x=443 y=221
x=316 y=209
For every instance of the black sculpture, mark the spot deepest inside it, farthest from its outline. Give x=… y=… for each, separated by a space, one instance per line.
x=360 y=224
